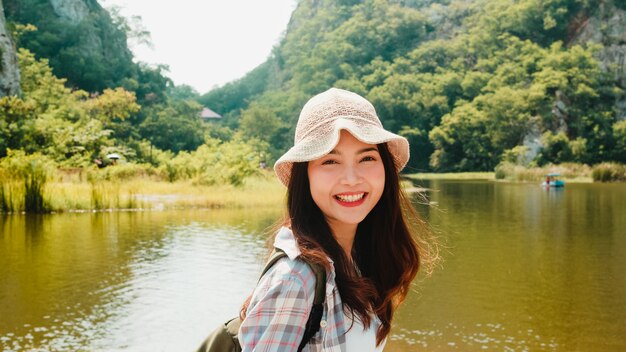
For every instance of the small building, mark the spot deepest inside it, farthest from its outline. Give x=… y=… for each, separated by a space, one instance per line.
x=207 y=114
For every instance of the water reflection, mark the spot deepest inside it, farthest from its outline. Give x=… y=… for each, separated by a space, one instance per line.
x=149 y=280
x=525 y=269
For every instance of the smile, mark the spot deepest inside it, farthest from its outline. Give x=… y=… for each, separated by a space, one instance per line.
x=351 y=200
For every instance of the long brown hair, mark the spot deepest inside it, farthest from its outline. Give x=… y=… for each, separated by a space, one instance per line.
x=385 y=250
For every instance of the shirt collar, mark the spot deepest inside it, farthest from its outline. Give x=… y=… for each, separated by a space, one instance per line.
x=286 y=242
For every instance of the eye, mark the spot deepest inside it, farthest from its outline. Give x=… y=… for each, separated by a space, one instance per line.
x=329 y=162
x=368 y=158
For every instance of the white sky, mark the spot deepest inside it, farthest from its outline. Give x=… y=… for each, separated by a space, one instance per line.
x=207 y=43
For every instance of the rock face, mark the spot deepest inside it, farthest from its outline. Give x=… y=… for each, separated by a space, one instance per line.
x=607 y=26
x=72 y=10
x=9 y=70
x=94 y=54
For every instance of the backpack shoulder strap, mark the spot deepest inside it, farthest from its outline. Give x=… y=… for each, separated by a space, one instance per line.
x=315 y=317
x=277 y=254
x=320 y=281
x=318 y=270
x=313 y=323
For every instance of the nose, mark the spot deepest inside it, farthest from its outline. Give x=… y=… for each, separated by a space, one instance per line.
x=351 y=176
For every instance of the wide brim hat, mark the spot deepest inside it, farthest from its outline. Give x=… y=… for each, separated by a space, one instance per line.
x=319 y=127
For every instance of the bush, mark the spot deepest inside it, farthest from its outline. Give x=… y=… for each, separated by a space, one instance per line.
x=129 y=171
x=518 y=155
x=609 y=172
x=510 y=171
x=24 y=178
x=504 y=170
x=217 y=163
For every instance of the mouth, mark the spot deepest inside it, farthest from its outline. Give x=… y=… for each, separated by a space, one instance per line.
x=351 y=199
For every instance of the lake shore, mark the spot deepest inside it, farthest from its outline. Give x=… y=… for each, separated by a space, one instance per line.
x=144 y=193
x=490 y=176
x=508 y=172
x=451 y=176
x=78 y=194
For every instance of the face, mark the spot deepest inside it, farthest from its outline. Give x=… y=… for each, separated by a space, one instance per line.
x=347 y=183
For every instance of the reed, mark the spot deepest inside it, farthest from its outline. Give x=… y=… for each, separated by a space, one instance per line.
x=571 y=172
x=24 y=179
x=451 y=176
x=8 y=199
x=34 y=185
x=144 y=192
x=609 y=172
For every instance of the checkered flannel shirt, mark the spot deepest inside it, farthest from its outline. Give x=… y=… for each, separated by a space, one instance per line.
x=281 y=303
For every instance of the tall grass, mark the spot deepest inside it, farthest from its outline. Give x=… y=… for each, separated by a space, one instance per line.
x=8 y=203
x=451 y=176
x=143 y=192
x=132 y=188
x=23 y=178
x=26 y=196
x=569 y=171
x=34 y=183
x=609 y=172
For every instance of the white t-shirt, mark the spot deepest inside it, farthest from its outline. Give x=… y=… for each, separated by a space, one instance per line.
x=360 y=340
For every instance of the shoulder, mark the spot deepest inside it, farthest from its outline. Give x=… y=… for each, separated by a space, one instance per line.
x=294 y=272
x=284 y=295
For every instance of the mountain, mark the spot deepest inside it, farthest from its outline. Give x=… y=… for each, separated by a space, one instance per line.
x=607 y=26
x=9 y=71
x=79 y=39
x=470 y=83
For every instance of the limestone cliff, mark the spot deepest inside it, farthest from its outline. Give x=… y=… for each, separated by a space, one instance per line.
x=9 y=71
x=607 y=26
x=79 y=38
x=71 y=10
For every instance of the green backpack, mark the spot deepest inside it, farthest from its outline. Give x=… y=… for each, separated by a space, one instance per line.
x=225 y=339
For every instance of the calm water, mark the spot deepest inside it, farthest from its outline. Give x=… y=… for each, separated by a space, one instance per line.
x=525 y=269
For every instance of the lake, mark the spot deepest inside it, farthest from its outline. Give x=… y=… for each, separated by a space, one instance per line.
x=524 y=269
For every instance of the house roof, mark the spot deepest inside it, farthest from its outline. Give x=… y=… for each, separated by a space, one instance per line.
x=207 y=113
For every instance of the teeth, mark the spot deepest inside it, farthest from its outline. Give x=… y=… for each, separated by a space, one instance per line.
x=350 y=198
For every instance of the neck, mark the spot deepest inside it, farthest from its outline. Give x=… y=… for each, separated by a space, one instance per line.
x=344 y=235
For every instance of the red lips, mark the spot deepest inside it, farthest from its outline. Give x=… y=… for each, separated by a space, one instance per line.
x=344 y=199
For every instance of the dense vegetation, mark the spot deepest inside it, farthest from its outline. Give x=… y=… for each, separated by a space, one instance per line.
x=104 y=103
x=470 y=83
x=58 y=127
x=91 y=54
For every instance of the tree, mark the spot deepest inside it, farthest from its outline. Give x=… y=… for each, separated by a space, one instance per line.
x=174 y=127
x=259 y=122
x=71 y=127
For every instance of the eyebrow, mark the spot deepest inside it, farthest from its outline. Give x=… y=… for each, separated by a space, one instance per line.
x=360 y=151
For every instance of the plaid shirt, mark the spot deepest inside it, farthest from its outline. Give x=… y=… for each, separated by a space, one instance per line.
x=281 y=304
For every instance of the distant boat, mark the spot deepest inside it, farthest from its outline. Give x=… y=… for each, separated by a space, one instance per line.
x=552 y=181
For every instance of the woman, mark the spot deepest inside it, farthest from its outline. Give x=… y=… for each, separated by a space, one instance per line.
x=345 y=211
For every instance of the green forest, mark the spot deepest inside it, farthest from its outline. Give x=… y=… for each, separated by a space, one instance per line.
x=471 y=84
x=465 y=81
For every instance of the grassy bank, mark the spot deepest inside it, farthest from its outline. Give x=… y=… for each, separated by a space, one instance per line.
x=145 y=193
x=569 y=172
x=84 y=190
x=451 y=176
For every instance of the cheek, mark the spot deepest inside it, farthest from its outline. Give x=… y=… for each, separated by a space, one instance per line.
x=318 y=186
x=377 y=182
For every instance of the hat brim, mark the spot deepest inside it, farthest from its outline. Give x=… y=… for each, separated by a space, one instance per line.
x=313 y=148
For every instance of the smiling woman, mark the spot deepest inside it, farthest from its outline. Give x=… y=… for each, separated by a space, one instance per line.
x=346 y=184
x=346 y=212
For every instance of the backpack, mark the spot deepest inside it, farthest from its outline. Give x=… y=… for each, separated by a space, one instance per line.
x=225 y=339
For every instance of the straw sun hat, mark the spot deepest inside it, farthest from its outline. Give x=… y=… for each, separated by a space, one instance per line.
x=321 y=120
